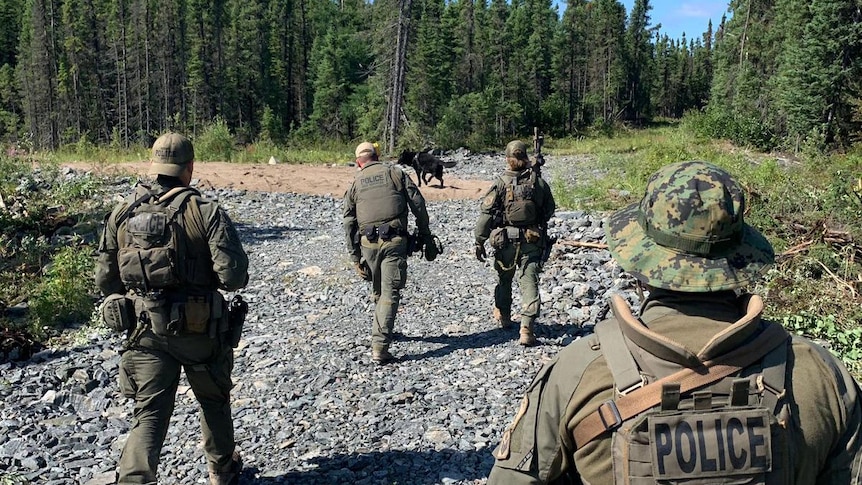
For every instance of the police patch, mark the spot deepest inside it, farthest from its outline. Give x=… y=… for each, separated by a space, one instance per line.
x=722 y=443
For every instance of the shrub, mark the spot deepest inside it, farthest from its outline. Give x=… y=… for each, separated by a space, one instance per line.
x=63 y=295
x=215 y=143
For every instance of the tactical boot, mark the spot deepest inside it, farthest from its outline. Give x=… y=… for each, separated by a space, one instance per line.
x=381 y=356
x=504 y=318
x=527 y=337
x=229 y=476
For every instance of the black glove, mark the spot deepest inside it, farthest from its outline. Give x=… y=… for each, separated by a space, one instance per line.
x=480 y=252
x=363 y=269
x=433 y=247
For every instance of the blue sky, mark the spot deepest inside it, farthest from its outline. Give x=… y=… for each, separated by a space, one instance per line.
x=689 y=16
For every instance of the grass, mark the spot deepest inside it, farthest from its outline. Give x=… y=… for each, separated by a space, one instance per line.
x=807 y=206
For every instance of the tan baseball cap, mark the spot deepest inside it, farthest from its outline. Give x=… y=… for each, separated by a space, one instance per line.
x=365 y=148
x=171 y=153
x=516 y=149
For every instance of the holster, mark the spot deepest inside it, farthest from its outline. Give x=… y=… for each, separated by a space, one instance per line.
x=237 y=309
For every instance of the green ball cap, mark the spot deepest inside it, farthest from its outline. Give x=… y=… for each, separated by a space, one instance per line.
x=688 y=234
x=171 y=153
x=516 y=149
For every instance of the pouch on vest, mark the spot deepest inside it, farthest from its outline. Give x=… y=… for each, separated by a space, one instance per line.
x=118 y=312
x=165 y=316
x=196 y=311
x=498 y=239
x=532 y=235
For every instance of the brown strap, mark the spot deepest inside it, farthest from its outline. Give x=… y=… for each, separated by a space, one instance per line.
x=612 y=414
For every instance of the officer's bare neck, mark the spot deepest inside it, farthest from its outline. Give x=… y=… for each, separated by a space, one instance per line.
x=184 y=179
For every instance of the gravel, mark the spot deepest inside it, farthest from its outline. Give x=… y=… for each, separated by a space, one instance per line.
x=309 y=405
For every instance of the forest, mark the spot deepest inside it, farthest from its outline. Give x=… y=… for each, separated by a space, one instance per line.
x=773 y=74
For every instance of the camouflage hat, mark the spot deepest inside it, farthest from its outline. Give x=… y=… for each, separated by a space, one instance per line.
x=171 y=153
x=688 y=234
x=516 y=149
x=365 y=148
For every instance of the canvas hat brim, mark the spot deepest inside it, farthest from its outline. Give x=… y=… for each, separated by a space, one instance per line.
x=169 y=169
x=672 y=269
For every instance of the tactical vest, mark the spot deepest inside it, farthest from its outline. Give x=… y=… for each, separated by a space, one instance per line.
x=732 y=431
x=519 y=205
x=379 y=195
x=155 y=251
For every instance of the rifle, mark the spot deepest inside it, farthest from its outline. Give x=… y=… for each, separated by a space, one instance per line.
x=538 y=141
x=548 y=241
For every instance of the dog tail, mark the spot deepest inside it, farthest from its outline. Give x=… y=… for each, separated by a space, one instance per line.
x=448 y=163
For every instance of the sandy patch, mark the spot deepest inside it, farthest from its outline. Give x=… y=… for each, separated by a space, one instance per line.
x=300 y=179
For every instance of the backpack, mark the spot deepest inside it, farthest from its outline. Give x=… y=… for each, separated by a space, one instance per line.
x=152 y=245
x=519 y=205
x=704 y=428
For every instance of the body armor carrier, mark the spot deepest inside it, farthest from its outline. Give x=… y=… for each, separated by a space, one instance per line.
x=519 y=207
x=732 y=431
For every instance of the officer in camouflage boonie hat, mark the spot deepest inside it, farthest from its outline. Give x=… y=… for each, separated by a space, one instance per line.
x=688 y=234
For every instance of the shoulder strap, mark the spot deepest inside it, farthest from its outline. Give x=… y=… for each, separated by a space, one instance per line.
x=627 y=376
x=611 y=414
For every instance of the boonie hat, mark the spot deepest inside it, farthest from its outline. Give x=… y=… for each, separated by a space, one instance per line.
x=688 y=234
x=171 y=153
x=516 y=149
x=365 y=148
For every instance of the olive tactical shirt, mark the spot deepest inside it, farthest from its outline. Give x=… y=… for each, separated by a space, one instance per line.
x=492 y=202
x=824 y=399
x=229 y=261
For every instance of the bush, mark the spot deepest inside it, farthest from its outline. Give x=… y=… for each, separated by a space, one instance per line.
x=63 y=295
x=215 y=144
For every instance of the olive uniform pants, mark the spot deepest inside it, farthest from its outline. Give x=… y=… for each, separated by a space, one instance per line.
x=388 y=263
x=150 y=374
x=527 y=266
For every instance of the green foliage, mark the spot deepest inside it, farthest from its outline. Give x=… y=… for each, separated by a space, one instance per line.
x=846 y=343
x=215 y=143
x=64 y=295
x=809 y=208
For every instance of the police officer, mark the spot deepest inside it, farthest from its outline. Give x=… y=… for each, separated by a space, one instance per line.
x=164 y=253
x=375 y=224
x=697 y=389
x=514 y=215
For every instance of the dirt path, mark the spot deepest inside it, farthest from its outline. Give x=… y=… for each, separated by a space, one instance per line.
x=300 y=179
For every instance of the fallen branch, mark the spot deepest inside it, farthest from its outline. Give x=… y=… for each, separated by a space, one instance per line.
x=581 y=244
x=838 y=280
x=796 y=249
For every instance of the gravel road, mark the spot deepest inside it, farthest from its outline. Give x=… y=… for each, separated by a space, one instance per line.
x=309 y=406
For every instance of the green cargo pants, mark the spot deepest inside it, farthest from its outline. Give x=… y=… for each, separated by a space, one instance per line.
x=388 y=263
x=150 y=374
x=528 y=266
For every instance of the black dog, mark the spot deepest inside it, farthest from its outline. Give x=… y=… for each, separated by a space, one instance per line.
x=426 y=165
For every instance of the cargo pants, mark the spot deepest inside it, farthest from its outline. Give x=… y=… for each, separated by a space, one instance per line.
x=527 y=267
x=388 y=263
x=150 y=374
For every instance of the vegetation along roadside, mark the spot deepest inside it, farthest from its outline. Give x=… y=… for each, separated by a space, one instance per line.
x=808 y=206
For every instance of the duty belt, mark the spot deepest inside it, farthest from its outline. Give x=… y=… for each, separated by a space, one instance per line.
x=384 y=232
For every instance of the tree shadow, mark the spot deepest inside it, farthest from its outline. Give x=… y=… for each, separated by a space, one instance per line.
x=549 y=335
x=414 y=467
x=452 y=343
x=252 y=234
